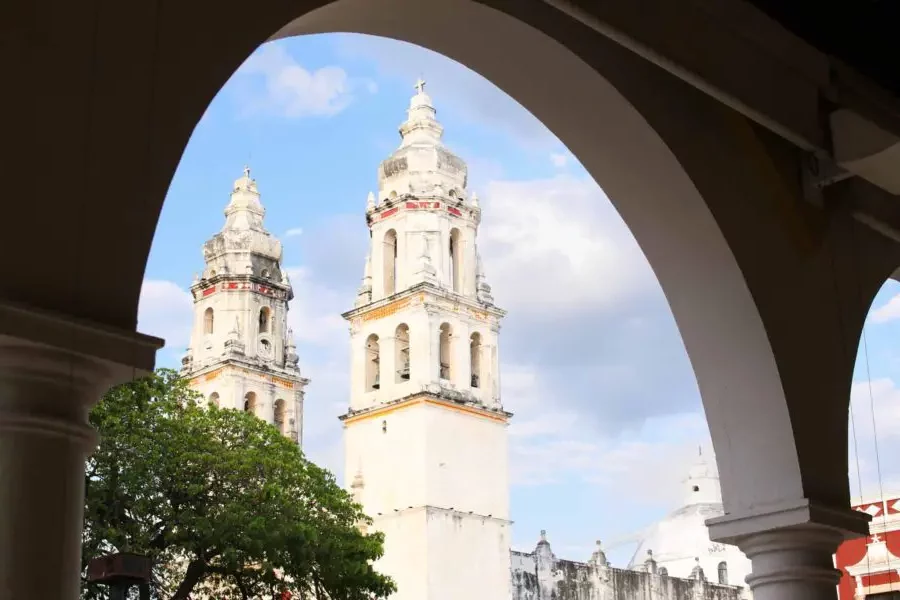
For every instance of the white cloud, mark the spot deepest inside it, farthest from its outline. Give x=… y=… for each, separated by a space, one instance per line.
x=166 y=310
x=888 y=312
x=290 y=90
x=874 y=436
x=293 y=232
x=558 y=159
x=558 y=244
x=315 y=311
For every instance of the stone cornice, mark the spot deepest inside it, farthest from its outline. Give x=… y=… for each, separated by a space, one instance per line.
x=215 y=369
x=426 y=397
x=425 y=291
x=430 y=202
x=127 y=352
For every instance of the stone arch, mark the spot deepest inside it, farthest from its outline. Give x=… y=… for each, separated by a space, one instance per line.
x=445 y=352
x=372 y=363
x=280 y=415
x=687 y=217
x=402 y=352
x=265 y=320
x=209 y=321
x=676 y=216
x=455 y=257
x=475 y=349
x=250 y=403
x=389 y=259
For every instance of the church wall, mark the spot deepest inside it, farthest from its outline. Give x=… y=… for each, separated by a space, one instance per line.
x=379 y=447
x=478 y=549
x=467 y=462
x=541 y=576
x=406 y=555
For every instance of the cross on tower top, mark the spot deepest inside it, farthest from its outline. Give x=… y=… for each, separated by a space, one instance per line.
x=420 y=85
x=247 y=171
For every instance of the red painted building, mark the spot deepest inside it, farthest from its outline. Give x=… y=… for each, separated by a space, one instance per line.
x=871 y=565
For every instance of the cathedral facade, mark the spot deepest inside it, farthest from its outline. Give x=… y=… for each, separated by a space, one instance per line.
x=242 y=353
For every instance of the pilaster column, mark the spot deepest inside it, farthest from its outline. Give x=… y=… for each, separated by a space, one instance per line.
x=791 y=547
x=47 y=385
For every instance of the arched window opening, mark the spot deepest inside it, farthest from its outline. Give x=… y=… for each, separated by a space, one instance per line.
x=265 y=319
x=401 y=359
x=455 y=260
x=208 y=321
x=723 y=573
x=390 y=262
x=475 y=359
x=279 y=415
x=445 y=361
x=250 y=402
x=214 y=399
x=373 y=367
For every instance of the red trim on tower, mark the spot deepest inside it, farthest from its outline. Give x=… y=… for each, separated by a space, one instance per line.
x=454 y=211
x=209 y=291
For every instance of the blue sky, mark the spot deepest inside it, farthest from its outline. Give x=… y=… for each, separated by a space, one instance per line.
x=608 y=417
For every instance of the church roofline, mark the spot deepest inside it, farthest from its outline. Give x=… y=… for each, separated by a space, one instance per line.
x=431 y=508
x=428 y=288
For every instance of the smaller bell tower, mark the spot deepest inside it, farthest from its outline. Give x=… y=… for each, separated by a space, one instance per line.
x=242 y=353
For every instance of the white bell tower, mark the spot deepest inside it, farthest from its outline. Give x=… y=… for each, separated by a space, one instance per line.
x=426 y=434
x=242 y=353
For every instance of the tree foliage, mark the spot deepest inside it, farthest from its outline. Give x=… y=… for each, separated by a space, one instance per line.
x=224 y=504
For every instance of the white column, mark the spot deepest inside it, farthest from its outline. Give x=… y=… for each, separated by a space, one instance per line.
x=47 y=386
x=791 y=547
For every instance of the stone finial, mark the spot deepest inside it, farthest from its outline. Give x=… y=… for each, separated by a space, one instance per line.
x=358 y=482
x=370 y=202
x=426 y=270
x=474 y=199
x=650 y=563
x=482 y=289
x=697 y=571
x=598 y=558
x=543 y=535
x=420 y=86
x=364 y=293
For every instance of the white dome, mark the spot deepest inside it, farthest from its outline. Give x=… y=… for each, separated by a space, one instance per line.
x=680 y=539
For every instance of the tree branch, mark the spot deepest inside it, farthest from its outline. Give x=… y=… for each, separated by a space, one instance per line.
x=195 y=572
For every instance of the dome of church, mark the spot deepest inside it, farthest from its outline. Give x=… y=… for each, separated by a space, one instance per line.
x=680 y=542
x=422 y=165
x=243 y=246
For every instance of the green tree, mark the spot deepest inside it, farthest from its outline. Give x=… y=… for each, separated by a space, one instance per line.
x=221 y=501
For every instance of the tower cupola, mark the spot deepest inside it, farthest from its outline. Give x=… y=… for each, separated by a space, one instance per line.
x=422 y=165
